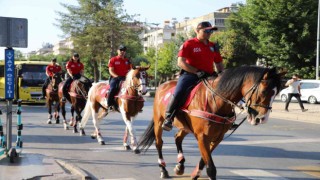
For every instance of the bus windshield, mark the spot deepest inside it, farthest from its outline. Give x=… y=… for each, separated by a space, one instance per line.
x=32 y=75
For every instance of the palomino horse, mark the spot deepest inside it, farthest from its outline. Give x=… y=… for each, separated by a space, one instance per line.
x=209 y=113
x=129 y=99
x=52 y=97
x=78 y=97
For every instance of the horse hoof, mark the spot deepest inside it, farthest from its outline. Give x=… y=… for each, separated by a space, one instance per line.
x=93 y=137
x=195 y=178
x=136 y=151
x=57 y=122
x=127 y=147
x=75 y=131
x=102 y=143
x=49 y=121
x=179 y=169
x=164 y=175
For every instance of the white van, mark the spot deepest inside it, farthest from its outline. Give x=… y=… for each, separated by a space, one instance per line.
x=310 y=91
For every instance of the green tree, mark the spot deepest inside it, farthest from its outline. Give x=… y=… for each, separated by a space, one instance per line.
x=284 y=33
x=97 y=28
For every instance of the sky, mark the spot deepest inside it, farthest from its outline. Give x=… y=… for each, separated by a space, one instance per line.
x=41 y=15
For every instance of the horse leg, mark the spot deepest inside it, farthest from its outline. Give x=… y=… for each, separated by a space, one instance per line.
x=49 y=112
x=197 y=171
x=132 y=132
x=97 y=133
x=204 y=147
x=179 y=169
x=63 y=112
x=158 y=140
x=125 y=139
x=56 y=113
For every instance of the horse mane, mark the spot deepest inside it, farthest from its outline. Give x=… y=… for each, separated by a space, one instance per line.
x=129 y=77
x=233 y=78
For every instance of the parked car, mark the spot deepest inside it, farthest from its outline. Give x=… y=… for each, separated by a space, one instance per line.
x=310 y=91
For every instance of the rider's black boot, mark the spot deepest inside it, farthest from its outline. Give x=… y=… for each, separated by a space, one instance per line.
x=170 y=114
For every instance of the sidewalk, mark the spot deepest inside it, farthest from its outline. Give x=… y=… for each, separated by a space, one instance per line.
x=295 y=113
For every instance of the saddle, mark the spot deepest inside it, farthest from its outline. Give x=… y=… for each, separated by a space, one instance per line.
x=195 y=112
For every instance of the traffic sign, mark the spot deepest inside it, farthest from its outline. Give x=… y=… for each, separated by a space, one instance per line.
x=13 y=32
x=9 y=73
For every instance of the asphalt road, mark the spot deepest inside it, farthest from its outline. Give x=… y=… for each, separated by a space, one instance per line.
x=280 y=149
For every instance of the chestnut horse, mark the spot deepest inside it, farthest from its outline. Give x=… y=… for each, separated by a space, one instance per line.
x=52 y=97
x=78 y=92
x=129 y=99
x=210 y=113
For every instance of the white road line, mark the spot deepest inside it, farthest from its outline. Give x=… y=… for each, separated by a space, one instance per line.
x=255 y=174
x=120 y=179
x=248 y=142
x=283 y=141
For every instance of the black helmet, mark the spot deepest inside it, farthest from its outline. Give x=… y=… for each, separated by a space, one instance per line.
x=54 y=60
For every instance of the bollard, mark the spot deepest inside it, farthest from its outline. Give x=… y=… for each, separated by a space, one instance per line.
x=19 y=142
x=2 y=138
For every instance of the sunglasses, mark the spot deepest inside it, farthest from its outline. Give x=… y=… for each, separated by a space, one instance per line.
x=208 y=31
x=122 y=50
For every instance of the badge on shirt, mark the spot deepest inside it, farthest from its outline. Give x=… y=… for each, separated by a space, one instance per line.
x=211 y=48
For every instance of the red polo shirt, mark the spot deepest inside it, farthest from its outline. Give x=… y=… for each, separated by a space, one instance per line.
x=121 y=65
x=51 y=69
x=74 y=67
x=200 y=55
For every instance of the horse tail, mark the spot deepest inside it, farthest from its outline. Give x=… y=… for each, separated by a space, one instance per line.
x=87 y=110
x=147 y=138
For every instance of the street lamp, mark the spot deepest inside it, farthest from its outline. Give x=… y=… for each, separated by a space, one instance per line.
x=317 y=60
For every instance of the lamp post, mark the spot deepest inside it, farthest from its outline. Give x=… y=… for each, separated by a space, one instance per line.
x=317 y=60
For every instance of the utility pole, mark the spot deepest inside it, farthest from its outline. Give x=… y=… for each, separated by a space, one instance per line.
x=317 y=60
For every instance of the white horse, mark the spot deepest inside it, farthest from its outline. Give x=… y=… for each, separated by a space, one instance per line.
x=129 y=100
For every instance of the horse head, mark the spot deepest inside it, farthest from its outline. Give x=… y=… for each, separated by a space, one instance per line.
x=137 y=80
x=261 y=94
x=258 y=87
x=55 y=81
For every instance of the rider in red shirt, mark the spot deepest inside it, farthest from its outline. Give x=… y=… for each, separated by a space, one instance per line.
x=119 y=66
x=51 y=69
x=196 y=58
x=75 y=70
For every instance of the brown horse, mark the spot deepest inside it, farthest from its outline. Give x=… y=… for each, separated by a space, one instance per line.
x=52 y=97
x=130 y=102
x=210 y=113
x=78 y=97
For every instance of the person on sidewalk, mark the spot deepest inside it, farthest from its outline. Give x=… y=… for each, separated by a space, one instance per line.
x=119 y=66
x=51 y=69
x=197 y=58
x=294 y=91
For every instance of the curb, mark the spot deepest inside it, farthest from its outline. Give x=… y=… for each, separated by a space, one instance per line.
x=74 y=169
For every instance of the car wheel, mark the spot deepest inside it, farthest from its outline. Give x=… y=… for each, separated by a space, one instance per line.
x=284 y=98
x=312 y=100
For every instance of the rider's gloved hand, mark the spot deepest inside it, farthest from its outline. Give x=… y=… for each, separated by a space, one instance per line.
x=201 y=74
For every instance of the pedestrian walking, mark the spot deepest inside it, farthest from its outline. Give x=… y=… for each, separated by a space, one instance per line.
x=294 y=91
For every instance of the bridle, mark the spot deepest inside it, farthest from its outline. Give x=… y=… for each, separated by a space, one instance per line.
x=137 y=86
x=248 y=105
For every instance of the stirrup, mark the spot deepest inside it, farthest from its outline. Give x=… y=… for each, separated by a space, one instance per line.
x=63 y=99
x=167 y=125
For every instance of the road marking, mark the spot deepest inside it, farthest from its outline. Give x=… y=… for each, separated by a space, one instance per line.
x=311 y=170
x=120 y=179
x=284 y=141
x=258 y=174
x=248 y=142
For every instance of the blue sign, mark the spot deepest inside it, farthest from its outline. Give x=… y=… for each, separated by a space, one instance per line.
x=9 y=73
